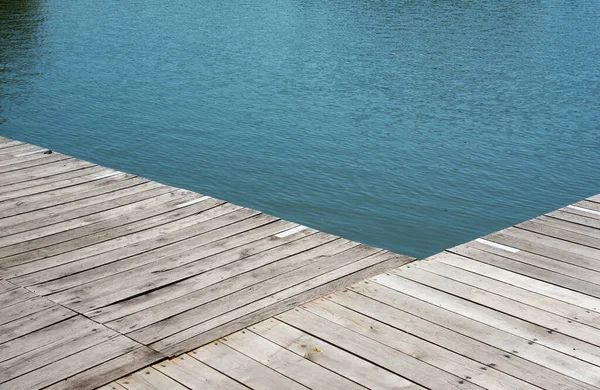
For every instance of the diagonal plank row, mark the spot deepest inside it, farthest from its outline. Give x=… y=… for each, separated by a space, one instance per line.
x=159 y=269
x=518 y=309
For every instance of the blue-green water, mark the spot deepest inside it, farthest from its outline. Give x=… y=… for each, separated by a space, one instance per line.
x=409 y=125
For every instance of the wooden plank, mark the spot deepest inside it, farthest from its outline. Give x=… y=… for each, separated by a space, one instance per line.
x=168 y=253
x=286 y=362
x=85 y=226
x=9 y=159
x=423 y=350
x=85 y=297
x=550 y=290
x=112 y=386
x=34 y=173
x=22 y=309
x=221 y=279
x=124 y=246
x=48 y=336
x=102 y=232
x=33 y=322
x=553 y=248
x=14 y=296
x=6 y=286
x=279 y=302
x=117 y=367
x=508 y=306
x=589 y=205
x=445 y=268
x=39 y=165
x=196 y=375
x=331 y=357
x=41 y=357
x=54 y=183
x=491 y=347
x=578 y=218
x=242 y=369
x=371 y=350
x=47 y=182
x=13 y=151
x=539 y=267
x=239 y=291
x=9 y=144
x=78 y=209
x=44 y=200
x=102 y=292
x=526 y=330
x=71 y=365
x=149 y=379
x=561 y=233
x=23 y=209
x=571 y=223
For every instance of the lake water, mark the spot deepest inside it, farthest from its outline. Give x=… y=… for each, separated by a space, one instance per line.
x=408 y=125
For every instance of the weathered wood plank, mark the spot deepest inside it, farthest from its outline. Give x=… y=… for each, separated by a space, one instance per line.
x=243 y=369
x=286 y=362
x=331 y=357
x=149 y=378
x=196 y=375
x=493 y=348
x=33 y=322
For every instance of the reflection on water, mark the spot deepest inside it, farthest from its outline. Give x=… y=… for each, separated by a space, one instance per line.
x=409 y=125
x=19 y=49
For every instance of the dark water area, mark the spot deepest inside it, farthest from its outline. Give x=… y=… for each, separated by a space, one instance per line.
x=408 y=125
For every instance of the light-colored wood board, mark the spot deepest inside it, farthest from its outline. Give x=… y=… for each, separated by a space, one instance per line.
x=26 y=204
x=14 y=296
x=493 y=348
x=8 y=143
x=40 y=164
x=15 y=149
x=117 y=367
x=228 y=277
x=533 y=266
x=54 y=182
x=6 y=286
x=47 y=336
x=8 y=159
x=34 y=173
x=196 y=375
x=573 y=298
x=443 y=265
x=586 y=204
x=286 y=362
x=371 y=350
x=71 y=365
x=510 y=307
x=149 y=379
x=81 y=208
x=88 y=225
x=244 y=289
x=33 y=322
x=423 y=350
x=573 y=216
x=128 y=245
x=242 y=368
x=41 y=357
x=550 y=247
x=47 y=183
x=111 y=386
x=85 y=297
x=561 y=233
x=572 y=224
x=278 y=303
x=331 y=357
x=79 y=241
x=168 y=253
x=536 y=334
x=247 y=252
x=163 y=271
x=22 y=309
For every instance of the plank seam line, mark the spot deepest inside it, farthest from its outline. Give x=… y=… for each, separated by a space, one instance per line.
x=499 y=246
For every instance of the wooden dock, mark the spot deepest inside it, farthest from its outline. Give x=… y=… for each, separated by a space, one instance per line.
x=103 y=274
x=518 y=309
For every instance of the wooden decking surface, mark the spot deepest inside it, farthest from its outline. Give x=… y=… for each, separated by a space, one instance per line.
x=518 y=309
x=103 y=272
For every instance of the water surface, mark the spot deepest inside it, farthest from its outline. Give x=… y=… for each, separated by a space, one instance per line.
x=408 y=125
